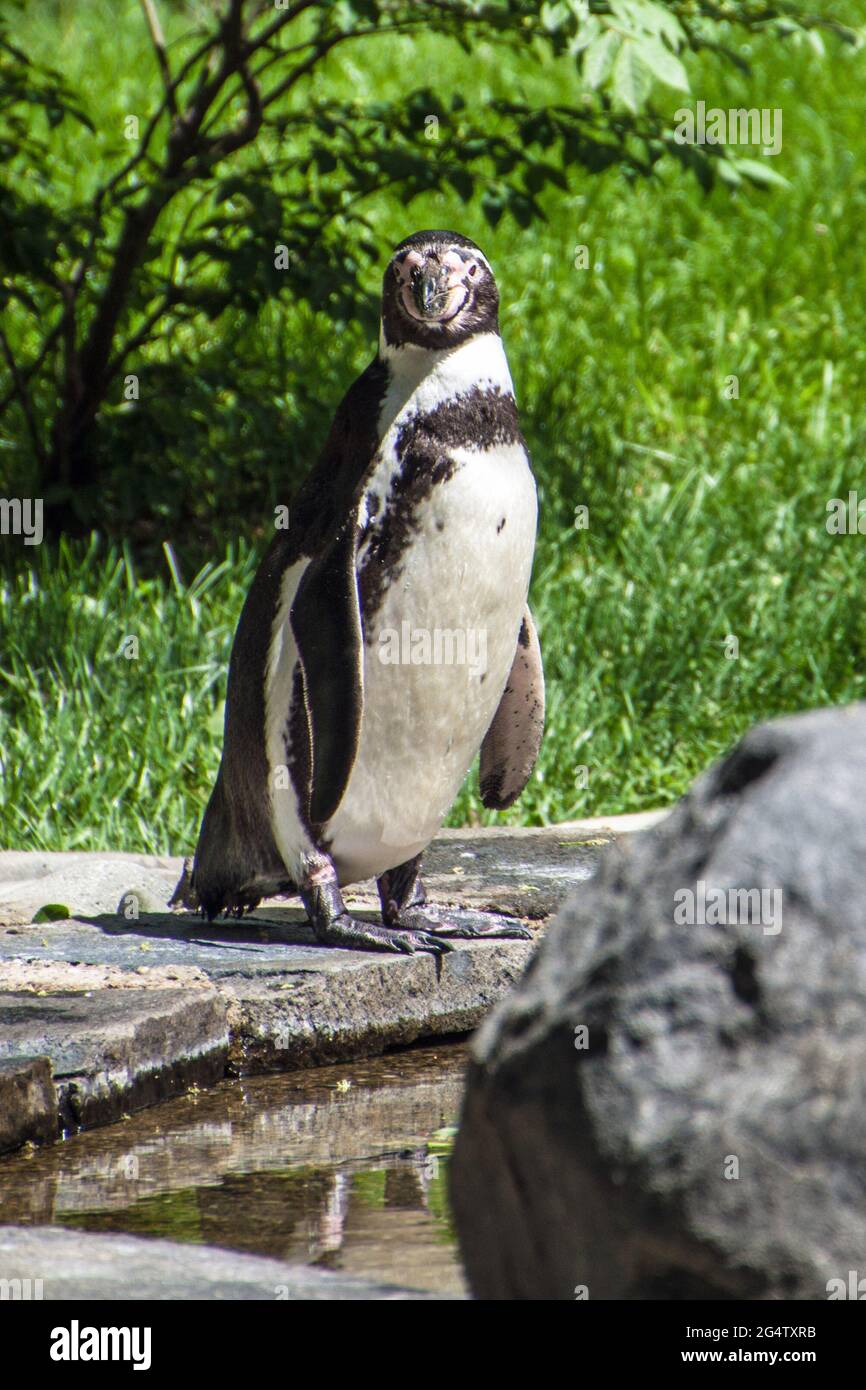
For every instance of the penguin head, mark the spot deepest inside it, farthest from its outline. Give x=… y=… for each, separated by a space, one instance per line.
x=438 y=290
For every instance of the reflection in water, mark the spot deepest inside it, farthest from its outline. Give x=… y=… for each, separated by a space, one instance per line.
x=330 y=1167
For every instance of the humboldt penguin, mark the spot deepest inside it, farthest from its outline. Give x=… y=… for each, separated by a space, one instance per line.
x=386 y=636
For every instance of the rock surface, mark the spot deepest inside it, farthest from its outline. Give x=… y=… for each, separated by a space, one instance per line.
x=114 y=1051
x=132 y=1005
x=83 y=883
x=705 y=1138
x=28 y=1102
x=79 y=1266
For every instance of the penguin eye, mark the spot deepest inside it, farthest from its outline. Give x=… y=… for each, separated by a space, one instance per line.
x=473 y=269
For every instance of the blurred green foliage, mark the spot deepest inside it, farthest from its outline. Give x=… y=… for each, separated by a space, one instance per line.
x=192 y=209
x=706 y=513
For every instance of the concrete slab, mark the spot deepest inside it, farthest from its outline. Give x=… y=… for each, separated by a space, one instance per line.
x=288 y=1001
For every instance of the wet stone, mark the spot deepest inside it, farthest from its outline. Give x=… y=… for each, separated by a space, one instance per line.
x=28 y=1102
x=114 y=1051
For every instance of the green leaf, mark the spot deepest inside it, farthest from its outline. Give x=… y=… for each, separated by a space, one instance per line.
x=462 y=183
x=663 y=64
x=760 y=172
x=646 y=17
x=598 y=58
x=629 y=78
x=216 y=720
x=588 y=31
x=553 y=16
x=492 y=205
x=727 y=172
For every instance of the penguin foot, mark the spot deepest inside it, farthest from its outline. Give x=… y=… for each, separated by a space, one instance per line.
x=405 y=907
x=357 y=935
x=463 y=922
x=334 y=926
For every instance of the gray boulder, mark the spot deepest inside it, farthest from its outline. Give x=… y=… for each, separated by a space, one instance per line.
x=705 y=1135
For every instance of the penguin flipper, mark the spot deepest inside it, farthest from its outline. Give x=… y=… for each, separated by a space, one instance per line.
x=326 y=622
x=511 y=744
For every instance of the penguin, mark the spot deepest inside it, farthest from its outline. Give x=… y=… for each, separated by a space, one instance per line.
x=386 y=636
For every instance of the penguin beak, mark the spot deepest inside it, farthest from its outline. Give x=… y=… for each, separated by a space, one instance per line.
x=430 y=291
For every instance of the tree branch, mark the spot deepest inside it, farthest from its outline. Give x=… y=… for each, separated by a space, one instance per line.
x=141 y=337
x=31 y=371
x=20 y=391
x=158 y=39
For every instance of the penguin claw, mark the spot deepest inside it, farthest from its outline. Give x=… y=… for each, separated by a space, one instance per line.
x=468 y=923
x=412 y=941
x=351 y=933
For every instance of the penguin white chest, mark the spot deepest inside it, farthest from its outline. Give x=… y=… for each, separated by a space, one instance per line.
x=439 y=644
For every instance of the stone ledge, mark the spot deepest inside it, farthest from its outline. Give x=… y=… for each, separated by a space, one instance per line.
x=133 y=1009
x=115 y=1052
x=28 y=1102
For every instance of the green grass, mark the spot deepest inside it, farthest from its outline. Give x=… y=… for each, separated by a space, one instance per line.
x=707 y=515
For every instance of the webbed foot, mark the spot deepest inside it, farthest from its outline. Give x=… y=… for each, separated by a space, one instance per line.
x=334 y=926
x=405 y=907
x=469 y=923
x=354 y=934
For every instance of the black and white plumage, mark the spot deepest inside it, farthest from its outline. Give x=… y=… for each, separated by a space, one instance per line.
x=346 y=739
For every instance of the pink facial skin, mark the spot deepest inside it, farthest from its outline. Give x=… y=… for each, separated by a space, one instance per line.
x=449 y=275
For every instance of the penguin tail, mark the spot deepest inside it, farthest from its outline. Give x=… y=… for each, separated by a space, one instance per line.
x=235 y=865
x=184 y=895
x=210 y=883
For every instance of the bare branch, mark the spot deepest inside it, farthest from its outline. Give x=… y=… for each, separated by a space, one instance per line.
x=221 y=145
x=141 y=337
x=187 y=156
x=324 y=46
x=158 y=39
x=285 y=17
x=20 y=391
x=31 y=371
